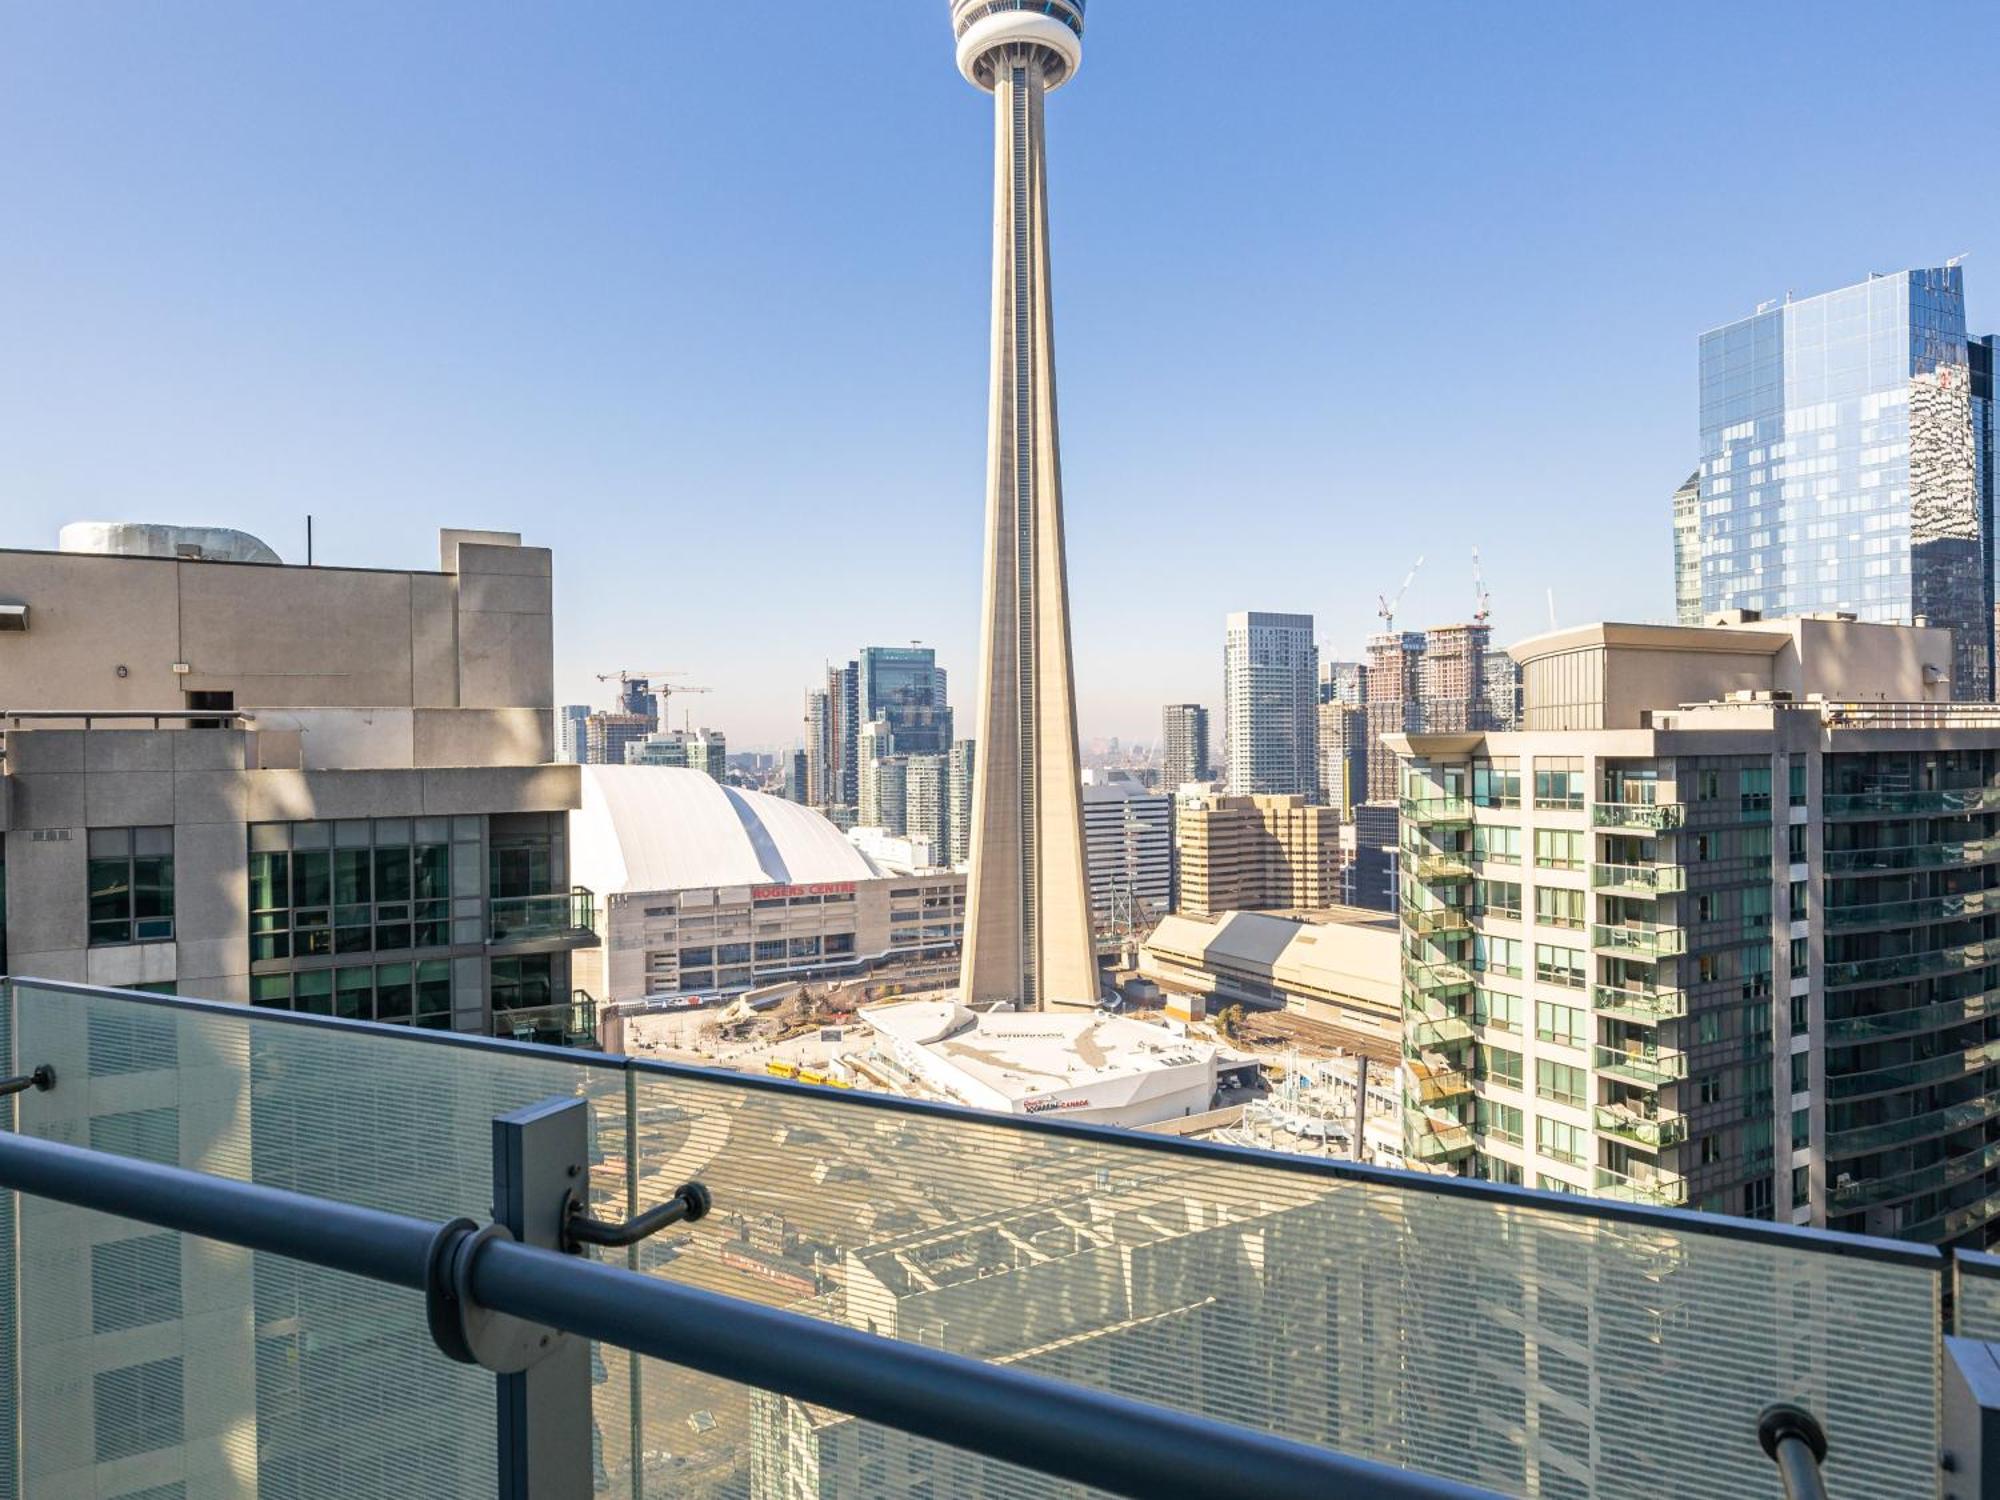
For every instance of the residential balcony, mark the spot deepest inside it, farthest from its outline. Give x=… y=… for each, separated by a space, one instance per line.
x=1646 y=1065
x=1888 y=859
x=1653 y=1128
x=1433 y=1080
x=1437 y=980
x=1906 y=803
x=1435 y=1139
x=1639 y=817
x=1660 y=1189
x=245 y=1255
x=1957 y=959
x=1644 y=939
x=570 y=1025
x=1429 y=921
x=1864 y=1139
x=1646 y=1007
x=1910 y=913
x=1642 y=881
x=558 y=920
x=1441 y=1031
x=1441 y=869
x=1437 y=812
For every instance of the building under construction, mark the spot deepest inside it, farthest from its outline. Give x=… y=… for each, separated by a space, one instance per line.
x=1452 y=677
x=1395 y=702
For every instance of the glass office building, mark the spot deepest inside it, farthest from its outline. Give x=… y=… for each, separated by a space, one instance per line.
x=1839 y=470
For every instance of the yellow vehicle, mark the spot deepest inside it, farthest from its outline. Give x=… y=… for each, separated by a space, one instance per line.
x=781 y=1069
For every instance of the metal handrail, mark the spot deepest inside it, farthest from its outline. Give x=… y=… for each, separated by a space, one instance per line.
x=1066 y=1431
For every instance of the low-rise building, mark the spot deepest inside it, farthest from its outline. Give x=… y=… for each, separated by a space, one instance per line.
x=1083 y=1065
x=707 y=889
x=1339 y=966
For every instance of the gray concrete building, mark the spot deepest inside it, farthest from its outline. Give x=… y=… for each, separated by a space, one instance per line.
x=1184 y=746
x=327 y=789
x=1129 y=854
x=1027 y=939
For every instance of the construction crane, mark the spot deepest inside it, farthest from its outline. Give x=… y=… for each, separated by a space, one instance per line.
x=656 y=683
x=1482 y=602
x=1387 y=608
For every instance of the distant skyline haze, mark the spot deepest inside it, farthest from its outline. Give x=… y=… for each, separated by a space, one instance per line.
x=1408 y=280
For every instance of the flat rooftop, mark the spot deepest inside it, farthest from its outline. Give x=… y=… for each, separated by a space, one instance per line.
x=1021 y=1053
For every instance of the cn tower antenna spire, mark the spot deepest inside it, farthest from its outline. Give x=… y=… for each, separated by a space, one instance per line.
x=1027 y=922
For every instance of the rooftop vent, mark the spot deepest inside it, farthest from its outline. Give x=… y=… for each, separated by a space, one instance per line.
x=144 y=539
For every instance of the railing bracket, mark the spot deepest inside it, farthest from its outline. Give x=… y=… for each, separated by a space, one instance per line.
x=689 y=1204
x=43 y=1078
x=462 y=1329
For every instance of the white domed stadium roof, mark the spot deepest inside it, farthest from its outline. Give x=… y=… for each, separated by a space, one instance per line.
x=665 y=828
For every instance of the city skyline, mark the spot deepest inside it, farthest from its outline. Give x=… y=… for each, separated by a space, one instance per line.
x=308 y=281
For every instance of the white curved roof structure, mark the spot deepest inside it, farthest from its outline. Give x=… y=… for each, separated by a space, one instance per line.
x=664 y=828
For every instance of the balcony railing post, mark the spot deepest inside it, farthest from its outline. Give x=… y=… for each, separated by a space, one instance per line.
x=540 y=1157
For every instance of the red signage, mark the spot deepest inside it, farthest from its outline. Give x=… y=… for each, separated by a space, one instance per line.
x=776 y=892
x=1044 y=1104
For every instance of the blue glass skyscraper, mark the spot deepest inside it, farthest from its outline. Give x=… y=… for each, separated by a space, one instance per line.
x=1839 y=467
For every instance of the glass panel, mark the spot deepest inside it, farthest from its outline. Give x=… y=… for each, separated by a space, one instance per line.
x=182 y=1361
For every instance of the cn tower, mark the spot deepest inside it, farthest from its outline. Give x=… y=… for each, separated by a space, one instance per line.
x=1027 y=920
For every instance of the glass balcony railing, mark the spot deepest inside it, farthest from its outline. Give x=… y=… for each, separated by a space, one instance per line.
x=1647 y=1007
x=1863 y=1139
x=1907 y=913
x=1949 y=854
x=1849 y=1193
x=1437 y=812
x=1653 y=1128
x=1661 y=1189
x=1937 y=1015
x=1645 y=939
x=1442 y=1031
x=1647 y=1066
x=570 y=1025
x=1891 y=803
x=1441 y=869
x=1435 y=1081
x=1339 y=1305
x=1638 y=880
x=1439 y=979
x=1642 y=817
x=1935 y=961
x=1436 y=1138
x=1428 y=921
x=570 y=915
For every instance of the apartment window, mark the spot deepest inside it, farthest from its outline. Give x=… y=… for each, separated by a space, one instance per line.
x=1500 y=1122
x=1496 y=1009
x=1550 y=1184
x=1495 y=1170
x=1498 y=1065
x=415 y=994
x=1558 y=781
x=1707 y=786
x=1561 y=1142
x=1801 y=1014
x=1795 y=842
x=1798 y=783
x=1795 y=901
x=1756 y=789
x=524 y=983
x=1709 y=1088
x=1709 y=1150
x=1498 y=898
x=1757 y=1198
x=1801 y=1186
x=135 y=1282
x=1556 y=907
x=1496 y=955
x=1801 y=1128
x=1801 y=1072
x=1563 y=966
x=131 y=874
x=1561 y=1023
x=1757 y=908
x=137 y=1409
x=1560 y=1081
x=1496 y=782
x=1801 y=957
x=1559 y=849
x=1756 y=965
x=386 y=885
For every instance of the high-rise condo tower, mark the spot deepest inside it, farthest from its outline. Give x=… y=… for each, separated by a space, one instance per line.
x=1027 y=930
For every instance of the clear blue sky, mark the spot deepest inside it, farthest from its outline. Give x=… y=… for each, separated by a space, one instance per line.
x=696 y=294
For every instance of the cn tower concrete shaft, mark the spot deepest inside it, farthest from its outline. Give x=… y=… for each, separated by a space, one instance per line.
x=1027 y=933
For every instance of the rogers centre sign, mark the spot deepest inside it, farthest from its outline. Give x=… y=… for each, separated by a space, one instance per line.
x=773 y=892
x=1042 y=1106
